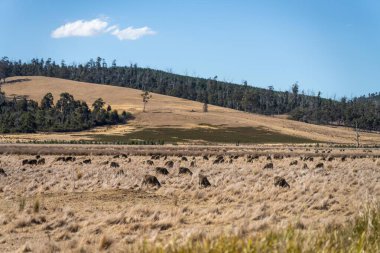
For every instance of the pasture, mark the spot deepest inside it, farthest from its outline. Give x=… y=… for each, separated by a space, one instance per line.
x=111 y=198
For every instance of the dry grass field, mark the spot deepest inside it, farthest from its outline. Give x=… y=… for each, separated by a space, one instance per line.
x=169 y=114
x=100 y=203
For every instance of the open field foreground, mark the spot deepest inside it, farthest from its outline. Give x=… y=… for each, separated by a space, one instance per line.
x=83 y=202
x=174 y=119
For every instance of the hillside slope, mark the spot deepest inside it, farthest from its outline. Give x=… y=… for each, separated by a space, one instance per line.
x=168 y=112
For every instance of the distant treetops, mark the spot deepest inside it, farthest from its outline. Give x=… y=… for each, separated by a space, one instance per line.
x=19 y=115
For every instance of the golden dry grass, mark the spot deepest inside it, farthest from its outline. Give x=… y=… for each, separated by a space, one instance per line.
x=166 y=111
x=109 y=209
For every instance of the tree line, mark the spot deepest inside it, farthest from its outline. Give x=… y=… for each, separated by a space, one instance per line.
x=20 y=115
x=364 y=111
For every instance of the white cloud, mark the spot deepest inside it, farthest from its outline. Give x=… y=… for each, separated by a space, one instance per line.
x=84 y=28
x=80 y=28
x=131 y=33
x=111 y=28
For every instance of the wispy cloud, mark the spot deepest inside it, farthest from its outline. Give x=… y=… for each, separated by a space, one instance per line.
x=83 y=28
x=131 y=33
x=80 y=28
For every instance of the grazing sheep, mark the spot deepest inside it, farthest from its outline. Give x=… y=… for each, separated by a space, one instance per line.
x=2 y=172
x=319 y=165
x=169 y=164
x=203 y=181
x=66 y=159
x=268 y=166
x=219 y=159
x=87 y=161
x=114 y=165
x=120 y=172
x=41 y=161
x=295 y=162
x=69 y=159
x=162 y=170
x=151 y=181
x=250 y=158
x=281 y=182
x=184 y=170
x=30 y=162
x=61 y=158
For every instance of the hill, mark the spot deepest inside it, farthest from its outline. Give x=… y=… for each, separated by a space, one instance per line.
x=175 y=118
x=354 y=112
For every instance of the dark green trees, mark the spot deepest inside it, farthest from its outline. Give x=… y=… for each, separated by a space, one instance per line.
x=4 y=69
x=22 y=115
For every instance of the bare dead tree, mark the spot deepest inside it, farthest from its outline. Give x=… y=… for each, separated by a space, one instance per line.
x=357 y=134
x=205 y=107
x=146 y=96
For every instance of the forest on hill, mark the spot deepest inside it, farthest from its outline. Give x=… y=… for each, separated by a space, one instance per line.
x=363 y=112
x=19 y=115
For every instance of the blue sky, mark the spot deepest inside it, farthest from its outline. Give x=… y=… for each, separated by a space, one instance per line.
x=331 y=46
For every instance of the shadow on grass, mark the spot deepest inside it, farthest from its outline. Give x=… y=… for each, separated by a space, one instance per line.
x=218 y=135
x=19 y=80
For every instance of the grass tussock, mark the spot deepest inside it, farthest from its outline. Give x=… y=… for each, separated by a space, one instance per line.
x=21 y=204
x=36 y=206
x=362 y=235
x=105 y=243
